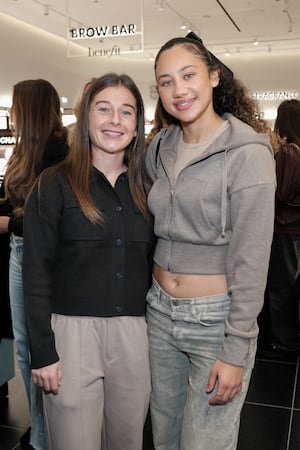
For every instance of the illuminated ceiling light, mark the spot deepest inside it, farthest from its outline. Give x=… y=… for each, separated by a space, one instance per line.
x=255 y=42
x=227 y=53
x=160 y=5
x=183 y=26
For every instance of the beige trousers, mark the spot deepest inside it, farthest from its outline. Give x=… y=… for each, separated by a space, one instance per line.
x=104 y=396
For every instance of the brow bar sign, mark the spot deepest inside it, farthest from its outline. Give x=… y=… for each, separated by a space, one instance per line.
x=102 y=31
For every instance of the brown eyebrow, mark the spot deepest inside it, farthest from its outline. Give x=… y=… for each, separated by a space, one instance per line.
x=164 y=75
x=109 y=103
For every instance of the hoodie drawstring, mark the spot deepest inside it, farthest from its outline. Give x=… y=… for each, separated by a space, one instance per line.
x=224 y=197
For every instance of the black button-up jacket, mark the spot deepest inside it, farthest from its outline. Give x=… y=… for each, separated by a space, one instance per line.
x=73 y=267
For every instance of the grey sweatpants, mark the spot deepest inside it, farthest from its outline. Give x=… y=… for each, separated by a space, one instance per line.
x=104 y=397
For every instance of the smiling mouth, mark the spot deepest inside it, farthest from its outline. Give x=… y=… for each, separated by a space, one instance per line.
x=112 y=133
x=184 y=104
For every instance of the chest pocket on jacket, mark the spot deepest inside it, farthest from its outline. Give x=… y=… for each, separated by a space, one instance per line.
x=76 y=227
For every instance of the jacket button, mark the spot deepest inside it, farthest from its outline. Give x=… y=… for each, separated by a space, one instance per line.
x=118 y=241
x=118 y=208
x=119 y=309
x=119 y=275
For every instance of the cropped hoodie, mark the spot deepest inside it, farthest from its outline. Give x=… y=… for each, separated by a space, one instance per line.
x=217 y=218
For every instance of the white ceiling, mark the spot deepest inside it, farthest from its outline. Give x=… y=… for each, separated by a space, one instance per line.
x=223 y=25
x=34 y=45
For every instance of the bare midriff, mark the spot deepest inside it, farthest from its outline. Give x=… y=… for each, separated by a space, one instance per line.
x=182 y=285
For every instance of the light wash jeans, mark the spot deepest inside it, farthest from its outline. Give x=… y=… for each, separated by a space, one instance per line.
x=185 y=336
x=34 y=394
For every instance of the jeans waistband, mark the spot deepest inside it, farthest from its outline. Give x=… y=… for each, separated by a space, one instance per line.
x=17 y=240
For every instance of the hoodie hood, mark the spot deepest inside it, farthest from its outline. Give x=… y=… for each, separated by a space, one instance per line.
x=235 y=136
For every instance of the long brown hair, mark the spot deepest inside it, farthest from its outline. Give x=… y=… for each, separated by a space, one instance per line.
x=160 y=121
x=79 y=162
x=36 y=116
x=287 y=123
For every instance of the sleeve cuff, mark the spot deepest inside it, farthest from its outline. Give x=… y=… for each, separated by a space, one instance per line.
x=234 y=350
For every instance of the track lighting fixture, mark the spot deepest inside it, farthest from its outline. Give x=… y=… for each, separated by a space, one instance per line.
x=46 y=10
x=160 y=5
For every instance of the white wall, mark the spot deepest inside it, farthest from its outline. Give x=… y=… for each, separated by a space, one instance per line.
x=268 y=72
x=27 y=52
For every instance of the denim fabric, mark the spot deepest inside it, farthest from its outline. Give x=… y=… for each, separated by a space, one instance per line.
x=185 y=336
x=37 y=439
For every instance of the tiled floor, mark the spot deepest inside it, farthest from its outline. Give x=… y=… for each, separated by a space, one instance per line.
x=270 y=417
x=14 y=414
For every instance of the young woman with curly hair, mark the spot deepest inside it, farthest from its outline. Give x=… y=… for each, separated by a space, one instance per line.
x=213 y=204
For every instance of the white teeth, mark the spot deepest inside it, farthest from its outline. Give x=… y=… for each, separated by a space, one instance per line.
x=182 y=104
x=112 y=133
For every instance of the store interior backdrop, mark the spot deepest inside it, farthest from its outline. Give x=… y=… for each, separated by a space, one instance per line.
x=70 y=41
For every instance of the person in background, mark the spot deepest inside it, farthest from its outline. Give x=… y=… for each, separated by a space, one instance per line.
x=283 y=286
x=160 y=121
x=5 y=313
x=213 y=204
x=41 y=141
x=87 y=266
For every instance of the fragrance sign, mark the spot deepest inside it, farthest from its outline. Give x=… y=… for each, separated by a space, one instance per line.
x=275 y=95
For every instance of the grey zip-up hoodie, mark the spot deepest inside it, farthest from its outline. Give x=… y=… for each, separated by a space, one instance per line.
x=217 y=218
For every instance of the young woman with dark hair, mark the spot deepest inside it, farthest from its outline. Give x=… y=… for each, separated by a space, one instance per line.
x=213 y=204
x=283 y=287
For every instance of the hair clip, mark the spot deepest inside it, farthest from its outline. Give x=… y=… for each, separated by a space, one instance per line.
x=192 y=35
